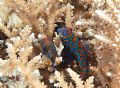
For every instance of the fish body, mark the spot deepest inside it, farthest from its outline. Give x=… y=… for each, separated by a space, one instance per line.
x=75 y=47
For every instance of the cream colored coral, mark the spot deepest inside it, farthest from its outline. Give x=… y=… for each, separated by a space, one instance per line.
x=61 y=80
x=14 y=21
x=16 y=45
x=75 y=77
x=89 y=82
x=69 y=15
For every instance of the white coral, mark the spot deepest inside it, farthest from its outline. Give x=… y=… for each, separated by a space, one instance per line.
x=4 y=12
x=2 y=2
x=89 y=82
x=36 y=74
x=62 y=83
x=14 y=21
x=75 y=77
x=41 y=36
x=60 y=48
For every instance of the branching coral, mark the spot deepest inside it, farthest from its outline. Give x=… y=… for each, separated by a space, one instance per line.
x=22 y=20
x=60 y=78
x=21 y=46
x=79 y=82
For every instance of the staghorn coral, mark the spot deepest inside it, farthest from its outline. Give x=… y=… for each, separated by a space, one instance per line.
x=60 y=78
x=97 y=18
x=79 y=82
x=16 y=46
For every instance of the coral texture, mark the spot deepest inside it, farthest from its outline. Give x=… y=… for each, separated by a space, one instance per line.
x=28 y=26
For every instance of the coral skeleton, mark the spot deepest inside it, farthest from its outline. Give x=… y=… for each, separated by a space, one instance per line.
x=33 y=54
